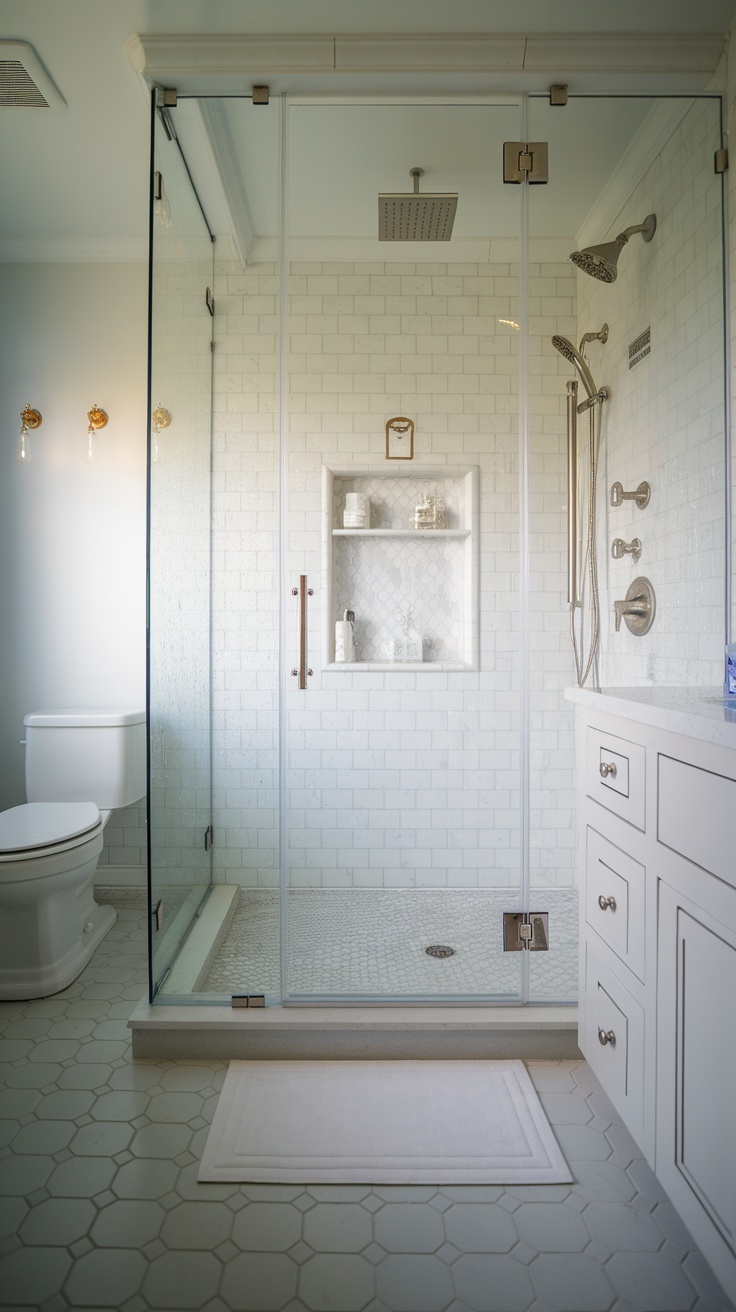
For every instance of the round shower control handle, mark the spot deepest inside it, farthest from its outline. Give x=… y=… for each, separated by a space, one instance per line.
x=606 y=1036
x=606 y=768
x=605 y=902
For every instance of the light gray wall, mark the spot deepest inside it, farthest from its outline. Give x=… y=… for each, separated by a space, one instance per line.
x=72 y=537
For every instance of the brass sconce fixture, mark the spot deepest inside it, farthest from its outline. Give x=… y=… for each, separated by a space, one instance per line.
x=97 y=420
x=30 y=420
x=160 y=419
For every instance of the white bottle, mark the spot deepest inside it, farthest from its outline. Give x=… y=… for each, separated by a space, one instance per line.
x=345 y=637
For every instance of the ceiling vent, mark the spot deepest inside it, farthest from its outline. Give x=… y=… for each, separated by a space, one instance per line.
x=24 y=82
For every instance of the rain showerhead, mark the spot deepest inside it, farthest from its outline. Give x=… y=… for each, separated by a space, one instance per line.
x=600 y=261
x=409 y=216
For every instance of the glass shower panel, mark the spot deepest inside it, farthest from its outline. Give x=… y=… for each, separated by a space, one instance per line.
x=654 y=337
x=179 y=565
x=401 y=550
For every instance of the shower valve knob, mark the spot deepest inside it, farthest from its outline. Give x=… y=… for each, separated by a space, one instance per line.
x=640 y=496
x=619 y=549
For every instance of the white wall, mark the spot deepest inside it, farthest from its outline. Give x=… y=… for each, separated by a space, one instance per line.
x=72 y=537
x=664 y=421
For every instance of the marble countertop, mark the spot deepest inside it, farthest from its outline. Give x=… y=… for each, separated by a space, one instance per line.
x=695 y=712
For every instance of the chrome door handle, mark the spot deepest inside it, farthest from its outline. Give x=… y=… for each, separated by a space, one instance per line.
x=605 y=902
x=606 y=1036
x=607 y=768
x=302 y=592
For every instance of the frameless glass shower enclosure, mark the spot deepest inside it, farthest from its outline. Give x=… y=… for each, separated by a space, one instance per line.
x=393 y=758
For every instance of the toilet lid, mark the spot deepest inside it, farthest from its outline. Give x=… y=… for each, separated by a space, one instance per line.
x=41 y=824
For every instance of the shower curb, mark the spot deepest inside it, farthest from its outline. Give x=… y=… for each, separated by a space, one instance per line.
x=334 y=1033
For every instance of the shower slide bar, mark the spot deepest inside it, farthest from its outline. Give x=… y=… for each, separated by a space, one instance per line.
x=572 y=492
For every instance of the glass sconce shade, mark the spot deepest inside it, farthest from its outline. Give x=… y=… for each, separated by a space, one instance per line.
x=30 y=420
x=97 y=419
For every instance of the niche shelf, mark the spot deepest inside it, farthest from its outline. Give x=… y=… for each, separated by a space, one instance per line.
x=385 y=570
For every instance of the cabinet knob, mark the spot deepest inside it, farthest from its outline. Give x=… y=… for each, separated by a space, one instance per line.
x=605 y=902
x=607 y=768
x=606 y=1036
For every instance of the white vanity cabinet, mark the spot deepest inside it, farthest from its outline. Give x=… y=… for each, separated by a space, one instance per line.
x=657 y=816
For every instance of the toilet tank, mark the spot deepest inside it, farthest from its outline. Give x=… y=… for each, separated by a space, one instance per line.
x=86 y=756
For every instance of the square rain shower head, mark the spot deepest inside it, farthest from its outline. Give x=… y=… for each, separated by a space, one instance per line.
x=412 y=216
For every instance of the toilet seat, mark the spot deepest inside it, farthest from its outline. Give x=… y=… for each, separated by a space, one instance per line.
x=38 y=829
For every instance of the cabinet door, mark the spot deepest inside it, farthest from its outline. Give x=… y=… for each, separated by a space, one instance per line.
x=696 y=1070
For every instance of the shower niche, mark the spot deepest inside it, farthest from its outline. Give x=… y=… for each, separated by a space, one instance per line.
x=412 y=589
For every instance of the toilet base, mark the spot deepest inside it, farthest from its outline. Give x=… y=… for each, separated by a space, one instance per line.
x=40 y=981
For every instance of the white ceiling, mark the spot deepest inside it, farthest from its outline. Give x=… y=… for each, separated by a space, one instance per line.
x=75 y=184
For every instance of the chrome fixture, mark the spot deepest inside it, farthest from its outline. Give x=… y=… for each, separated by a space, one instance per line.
x=619 y=549
x=596 y=396
x=607 y=768
x=640 y=496
x=97 y=419
x=637 y=609
x=30 y=419
x=409 y=216
x=606 y=1036
x=601 y=337
x=607 y=902
x=600 y=261
x=567 y=349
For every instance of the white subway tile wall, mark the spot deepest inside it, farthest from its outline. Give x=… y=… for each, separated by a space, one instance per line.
x=664 y=421
x=393 y=779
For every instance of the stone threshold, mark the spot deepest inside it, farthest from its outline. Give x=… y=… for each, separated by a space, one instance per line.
x=350 y=1033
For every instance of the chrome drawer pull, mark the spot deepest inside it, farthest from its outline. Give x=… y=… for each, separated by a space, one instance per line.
x=608 y=768
x=605 y=902
x=606 y=1036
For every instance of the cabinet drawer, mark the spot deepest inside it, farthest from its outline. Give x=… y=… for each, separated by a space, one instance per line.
x=616 y=900
x=614 y=773
x=696 y=815
x=613 y=1040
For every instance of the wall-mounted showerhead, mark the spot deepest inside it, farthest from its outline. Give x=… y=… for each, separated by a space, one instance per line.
x=600 y=261
x=567 y=349
x=409 y=216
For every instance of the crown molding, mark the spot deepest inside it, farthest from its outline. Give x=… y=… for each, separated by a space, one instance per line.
x=208 y=64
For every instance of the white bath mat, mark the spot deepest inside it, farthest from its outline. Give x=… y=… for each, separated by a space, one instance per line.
x=381 y=1122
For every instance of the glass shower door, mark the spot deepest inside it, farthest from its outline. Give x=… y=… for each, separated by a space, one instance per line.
x=179 y=568
x=401 y=750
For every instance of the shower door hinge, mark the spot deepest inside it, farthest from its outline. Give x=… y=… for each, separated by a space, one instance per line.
x=525 y=161
x=247 y=1000
x=720 y=160
x=526 y=930
x=209 y=838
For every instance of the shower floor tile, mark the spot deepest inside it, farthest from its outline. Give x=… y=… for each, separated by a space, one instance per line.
x=374 y=941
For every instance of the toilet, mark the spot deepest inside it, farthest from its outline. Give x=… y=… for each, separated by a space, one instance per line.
x=80 y=766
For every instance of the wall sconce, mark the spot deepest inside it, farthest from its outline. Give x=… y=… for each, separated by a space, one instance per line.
x=30 y=419
x=97 y=420
x=160 y=419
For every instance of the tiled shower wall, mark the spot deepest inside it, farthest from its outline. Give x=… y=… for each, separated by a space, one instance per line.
x=664 y=421
x=393 y=779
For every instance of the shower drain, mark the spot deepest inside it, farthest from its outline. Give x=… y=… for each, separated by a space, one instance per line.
x=439 y=950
